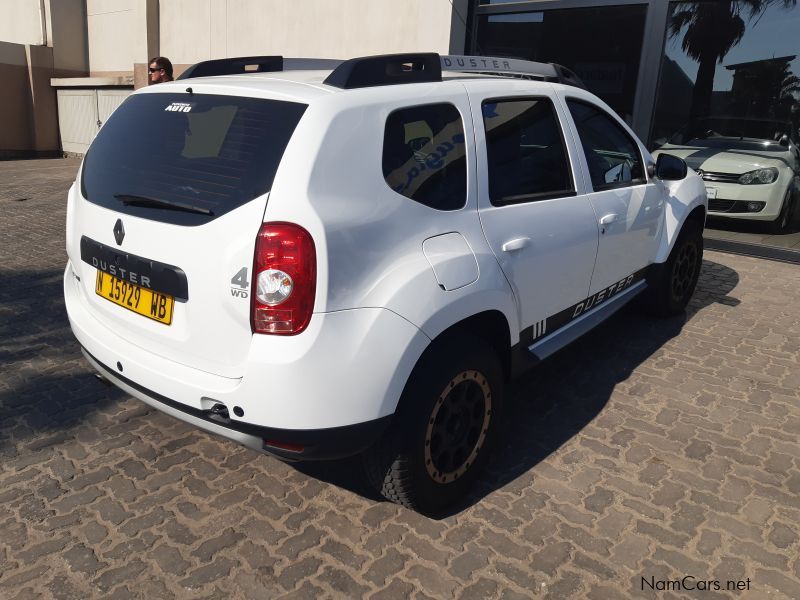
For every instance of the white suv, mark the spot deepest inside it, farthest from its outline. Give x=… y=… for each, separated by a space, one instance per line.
x=320 y=263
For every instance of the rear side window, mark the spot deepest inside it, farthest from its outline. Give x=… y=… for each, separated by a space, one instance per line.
x=187 y=158
x=424 y=155
x=613 y=157
x=527 y=157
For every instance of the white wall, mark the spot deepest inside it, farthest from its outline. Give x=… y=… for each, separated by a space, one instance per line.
x=21 y=22
x=185 y=29
x=118 y=33
x=195 y=30
x=111 y=31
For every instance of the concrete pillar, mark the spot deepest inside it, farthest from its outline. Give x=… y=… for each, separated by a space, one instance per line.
x=15 y=103
x=43 y=105
x=68 y=37
x=146 y=25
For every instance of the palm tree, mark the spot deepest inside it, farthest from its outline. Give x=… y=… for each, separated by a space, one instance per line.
x=712 y=29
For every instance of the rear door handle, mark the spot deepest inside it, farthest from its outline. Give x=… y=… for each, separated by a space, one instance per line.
x=517 y=244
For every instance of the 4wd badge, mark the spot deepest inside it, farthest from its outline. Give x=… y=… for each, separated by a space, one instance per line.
x=239 y=284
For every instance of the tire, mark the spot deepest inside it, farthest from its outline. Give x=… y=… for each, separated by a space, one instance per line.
x=447 y=421
x=784 y=220
x=672 y=283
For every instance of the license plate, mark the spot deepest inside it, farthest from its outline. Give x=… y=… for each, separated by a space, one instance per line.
x=135 y=298
x=711 y=193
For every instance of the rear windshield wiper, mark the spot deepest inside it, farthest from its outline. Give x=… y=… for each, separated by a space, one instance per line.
x=132 y=200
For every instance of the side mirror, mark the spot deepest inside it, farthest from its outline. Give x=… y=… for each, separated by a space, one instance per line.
x=670 y=168
x=784 y=141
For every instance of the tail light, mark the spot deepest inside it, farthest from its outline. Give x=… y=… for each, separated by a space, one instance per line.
x=284 y=279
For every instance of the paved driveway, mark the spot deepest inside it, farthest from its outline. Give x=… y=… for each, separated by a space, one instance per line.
x=648 y=453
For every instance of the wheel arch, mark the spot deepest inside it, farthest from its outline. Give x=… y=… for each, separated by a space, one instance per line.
x=679 y=211
x=491 y=326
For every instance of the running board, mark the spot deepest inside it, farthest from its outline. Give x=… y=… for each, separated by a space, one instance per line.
x=554 y=342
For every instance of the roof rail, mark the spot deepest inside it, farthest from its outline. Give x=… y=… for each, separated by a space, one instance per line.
x=234 y=66
x=256 y=64
x=386 y=69
x=514 y=67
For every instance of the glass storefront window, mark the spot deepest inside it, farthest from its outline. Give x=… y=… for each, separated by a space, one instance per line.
x=602 y=45
x=729 y=104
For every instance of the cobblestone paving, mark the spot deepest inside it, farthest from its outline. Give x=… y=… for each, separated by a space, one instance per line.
x=649 y=449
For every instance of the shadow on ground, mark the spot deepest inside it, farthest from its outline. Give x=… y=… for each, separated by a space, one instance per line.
x=555 y=401
x=45 y=384
x=46 y=387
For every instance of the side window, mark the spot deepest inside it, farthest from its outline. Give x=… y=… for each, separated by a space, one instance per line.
x=424 y=155
x=526 y=155
x=613 y=157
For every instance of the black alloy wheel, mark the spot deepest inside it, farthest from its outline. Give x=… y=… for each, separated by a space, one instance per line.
x=784 y=220
x=444 y=427
x=670 y=284
x=684 y=271
x=458 y=426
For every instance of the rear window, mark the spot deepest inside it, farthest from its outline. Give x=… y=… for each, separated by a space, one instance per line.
x=187 y=158
x=424 y=155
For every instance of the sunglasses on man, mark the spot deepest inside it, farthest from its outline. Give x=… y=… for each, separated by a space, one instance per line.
x=153 y=70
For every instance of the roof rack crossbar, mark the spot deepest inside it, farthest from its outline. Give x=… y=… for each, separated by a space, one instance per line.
x=234 y=66
x=386 y=69
x=257 y=64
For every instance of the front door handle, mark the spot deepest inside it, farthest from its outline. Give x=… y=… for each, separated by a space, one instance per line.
x=517 y=244
x=606 y=220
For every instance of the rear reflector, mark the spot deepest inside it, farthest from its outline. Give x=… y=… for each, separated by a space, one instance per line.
x=284 y=446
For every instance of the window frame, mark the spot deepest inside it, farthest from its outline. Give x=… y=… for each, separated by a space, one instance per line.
x=527 y=198
x=466 y=153
x=643 y=180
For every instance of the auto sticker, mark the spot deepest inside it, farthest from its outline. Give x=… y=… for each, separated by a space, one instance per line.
x=179 y=107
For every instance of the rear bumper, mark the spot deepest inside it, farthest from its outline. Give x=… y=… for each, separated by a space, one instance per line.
x=331 y=389
x=310 y=444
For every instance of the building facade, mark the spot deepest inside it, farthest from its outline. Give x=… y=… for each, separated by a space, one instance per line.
x=658 y=63
x=69 y=63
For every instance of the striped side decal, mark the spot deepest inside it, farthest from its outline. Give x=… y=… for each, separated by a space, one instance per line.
x=559 y=320
x=539 y=328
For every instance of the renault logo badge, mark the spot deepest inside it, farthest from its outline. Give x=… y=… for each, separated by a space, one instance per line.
x=119 y=232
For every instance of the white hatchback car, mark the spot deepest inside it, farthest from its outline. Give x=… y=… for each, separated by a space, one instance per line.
x=751 y=167
x=320 y=263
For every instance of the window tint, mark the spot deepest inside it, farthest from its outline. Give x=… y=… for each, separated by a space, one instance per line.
x=525 y=151
x=424 y=155
x=210 y=152
x=613 y=157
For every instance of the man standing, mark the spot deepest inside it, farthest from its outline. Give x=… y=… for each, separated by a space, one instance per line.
x=159 y=70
